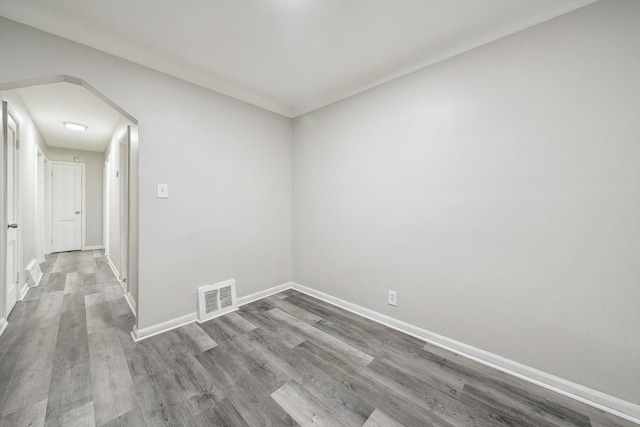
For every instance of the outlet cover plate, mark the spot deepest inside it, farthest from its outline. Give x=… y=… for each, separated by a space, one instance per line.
x=393 y=298
x=163 y=191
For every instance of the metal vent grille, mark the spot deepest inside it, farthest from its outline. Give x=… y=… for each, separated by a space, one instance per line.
x=216 y=299
x=211 y=301
x=226 y=299
x=34 y=274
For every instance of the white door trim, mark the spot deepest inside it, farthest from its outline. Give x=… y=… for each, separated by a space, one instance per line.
x=124 y=144
x=84 y=197
x=48 y=207
x=41 y=205
x=106 y=176
x=5 y=115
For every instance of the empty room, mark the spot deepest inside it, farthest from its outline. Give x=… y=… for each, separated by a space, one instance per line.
x=320 y=213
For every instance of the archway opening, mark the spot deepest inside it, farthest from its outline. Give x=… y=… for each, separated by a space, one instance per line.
x=76 y=185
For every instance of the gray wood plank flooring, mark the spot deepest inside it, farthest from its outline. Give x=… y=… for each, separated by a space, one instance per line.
x=67 y=359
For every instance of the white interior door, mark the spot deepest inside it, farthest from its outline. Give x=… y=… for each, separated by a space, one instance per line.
x=67 y=207
x=12 y=279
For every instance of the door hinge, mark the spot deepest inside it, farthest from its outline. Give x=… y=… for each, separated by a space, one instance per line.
x=18 y=278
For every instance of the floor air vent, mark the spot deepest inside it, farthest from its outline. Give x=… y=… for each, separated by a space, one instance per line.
x=216 y=300
x=34 y=274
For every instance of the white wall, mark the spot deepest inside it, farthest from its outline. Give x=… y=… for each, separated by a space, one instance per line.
x=227 y=163
x=497 y=192
x=30 y=139
x=93 y=161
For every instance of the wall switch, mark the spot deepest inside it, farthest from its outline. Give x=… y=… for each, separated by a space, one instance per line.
x=163 y=191
x=393 y=298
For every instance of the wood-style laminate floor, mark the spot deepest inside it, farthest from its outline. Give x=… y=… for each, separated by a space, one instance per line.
x=67 y=359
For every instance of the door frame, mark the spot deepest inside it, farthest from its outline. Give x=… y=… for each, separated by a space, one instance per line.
x=48 y=208
x=5 y=114
x=41 y=204
x=84 y=199
x=106 y=188
x=123 y=167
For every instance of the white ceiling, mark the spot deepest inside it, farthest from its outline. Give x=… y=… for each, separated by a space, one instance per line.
x=288 y=56
x=51 y=104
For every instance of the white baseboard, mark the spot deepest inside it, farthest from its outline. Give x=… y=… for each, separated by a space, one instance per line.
x=123 y=285
x=113 y=268
x=149 y=331
x=23 y=291
x=613 y=405
x=3 y=324
x=132 y=303
x=140 y=334
x=93 y=248
x=263 y=294
x=221 y=313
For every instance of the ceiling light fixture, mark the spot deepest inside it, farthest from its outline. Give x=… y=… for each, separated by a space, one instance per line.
x=75 y=126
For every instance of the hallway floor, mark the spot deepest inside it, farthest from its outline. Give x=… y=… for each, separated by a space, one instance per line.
x=67 y=359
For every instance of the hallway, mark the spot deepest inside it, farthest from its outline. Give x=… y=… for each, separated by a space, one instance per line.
x=57 y=336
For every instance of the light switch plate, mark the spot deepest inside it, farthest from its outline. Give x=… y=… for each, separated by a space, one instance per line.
x=163 y=191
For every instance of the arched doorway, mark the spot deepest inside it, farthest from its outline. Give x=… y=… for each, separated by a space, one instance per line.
x=33 y=235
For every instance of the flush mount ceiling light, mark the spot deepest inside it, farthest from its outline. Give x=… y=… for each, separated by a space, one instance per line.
x=75 y=126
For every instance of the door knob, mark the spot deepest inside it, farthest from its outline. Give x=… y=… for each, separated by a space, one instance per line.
x=13 y=225
x=77 y=212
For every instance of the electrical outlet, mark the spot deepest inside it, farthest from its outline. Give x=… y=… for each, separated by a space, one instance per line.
x=393 y=298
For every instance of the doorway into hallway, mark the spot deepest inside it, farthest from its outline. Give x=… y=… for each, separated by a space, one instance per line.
x=72 y=198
